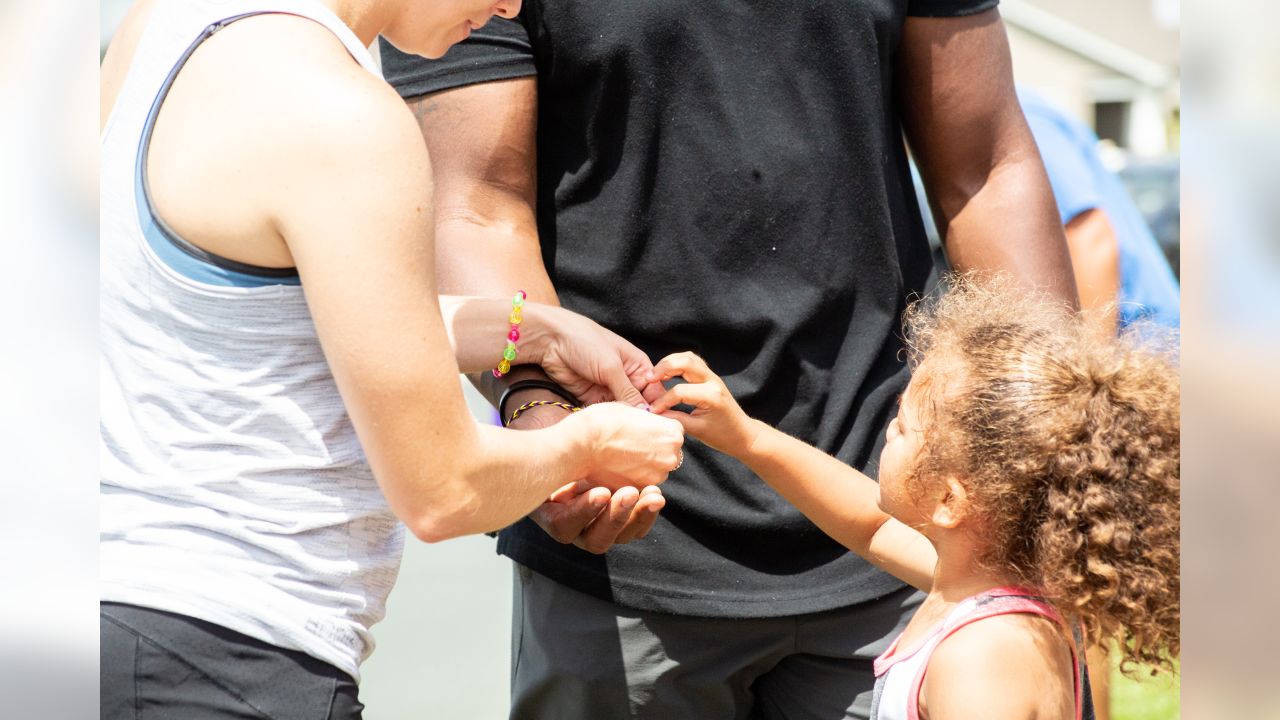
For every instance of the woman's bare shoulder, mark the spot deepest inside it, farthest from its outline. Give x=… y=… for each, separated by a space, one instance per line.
x=274 y=118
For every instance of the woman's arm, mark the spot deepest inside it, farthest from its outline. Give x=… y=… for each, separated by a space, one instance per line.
x=353 y=204
x=837 y=498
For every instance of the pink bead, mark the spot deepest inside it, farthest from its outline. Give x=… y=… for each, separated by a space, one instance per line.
x=522 y=295
x=514 y=335
x=496 y=373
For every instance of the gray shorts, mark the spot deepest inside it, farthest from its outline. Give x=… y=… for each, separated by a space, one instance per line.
x=162 y=666
x=576 y=656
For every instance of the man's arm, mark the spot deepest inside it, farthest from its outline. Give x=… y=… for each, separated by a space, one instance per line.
x=486 y=231
x=991 y=198
x=1095 y=257
x=481 y=139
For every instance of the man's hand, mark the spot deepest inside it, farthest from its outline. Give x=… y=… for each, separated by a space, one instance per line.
x=589 y=517
x=592 y=519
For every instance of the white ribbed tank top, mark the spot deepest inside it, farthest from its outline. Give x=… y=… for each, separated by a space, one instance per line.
x=233 y=488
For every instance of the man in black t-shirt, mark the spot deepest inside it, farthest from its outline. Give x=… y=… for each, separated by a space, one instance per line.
x=727 y=177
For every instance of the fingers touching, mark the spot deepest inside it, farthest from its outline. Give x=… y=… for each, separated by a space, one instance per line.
x=684 y=364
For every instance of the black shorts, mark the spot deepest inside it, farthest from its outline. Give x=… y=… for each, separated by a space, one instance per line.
x=159 y=665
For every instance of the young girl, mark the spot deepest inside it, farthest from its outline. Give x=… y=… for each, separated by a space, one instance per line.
x=1029 y=483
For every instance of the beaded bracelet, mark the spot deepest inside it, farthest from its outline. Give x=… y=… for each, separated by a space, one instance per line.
x=537 y=403
x=509 y=354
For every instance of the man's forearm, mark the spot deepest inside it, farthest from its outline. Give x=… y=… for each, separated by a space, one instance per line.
x=1010 y=225
x=481 y=141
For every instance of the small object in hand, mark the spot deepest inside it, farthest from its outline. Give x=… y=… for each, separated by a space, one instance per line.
x=679 y=461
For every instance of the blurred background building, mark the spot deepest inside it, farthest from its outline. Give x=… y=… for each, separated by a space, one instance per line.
x=1114 y=64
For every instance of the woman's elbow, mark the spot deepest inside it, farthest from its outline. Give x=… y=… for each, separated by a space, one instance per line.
x=444 y=518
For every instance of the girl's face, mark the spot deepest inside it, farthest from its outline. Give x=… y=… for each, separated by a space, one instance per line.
x=430 y=28
x=904 y=440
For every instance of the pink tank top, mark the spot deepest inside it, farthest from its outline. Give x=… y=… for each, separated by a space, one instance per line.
x=900 y=673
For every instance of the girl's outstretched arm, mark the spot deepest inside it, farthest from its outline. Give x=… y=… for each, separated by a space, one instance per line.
x=841 y=501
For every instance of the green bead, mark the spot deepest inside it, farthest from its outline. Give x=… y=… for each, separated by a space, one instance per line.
x=510 y=352
x=517 y=301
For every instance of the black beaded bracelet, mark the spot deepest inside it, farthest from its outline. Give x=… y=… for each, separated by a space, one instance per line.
x=530 y=384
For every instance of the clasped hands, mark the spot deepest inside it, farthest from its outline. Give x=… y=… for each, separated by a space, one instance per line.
x=596 y=366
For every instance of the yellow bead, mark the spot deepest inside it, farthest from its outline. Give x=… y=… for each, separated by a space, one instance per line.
x=516 y=316
x=504 y=366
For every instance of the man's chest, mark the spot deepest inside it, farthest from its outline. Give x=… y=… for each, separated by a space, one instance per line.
x=618 y=30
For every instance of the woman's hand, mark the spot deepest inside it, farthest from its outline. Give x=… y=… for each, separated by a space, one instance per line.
x=626 y=446
x=593 y=363
x=584 y=358
x=716 y=420
x=588 y=515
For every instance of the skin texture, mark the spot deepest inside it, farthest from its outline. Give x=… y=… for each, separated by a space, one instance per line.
x=1095 y=258
x=1010 y=667
x=314 y=162
x=970 y=674
x=995 y=206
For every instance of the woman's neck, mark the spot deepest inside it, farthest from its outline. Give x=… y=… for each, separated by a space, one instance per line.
x=366 y=18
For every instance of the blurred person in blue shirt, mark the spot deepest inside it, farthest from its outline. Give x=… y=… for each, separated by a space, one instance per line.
x=1114 y=255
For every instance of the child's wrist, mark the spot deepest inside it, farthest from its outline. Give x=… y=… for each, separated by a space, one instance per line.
x=747 y=437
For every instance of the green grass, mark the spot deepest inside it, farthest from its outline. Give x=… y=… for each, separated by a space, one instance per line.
x=1149 y=698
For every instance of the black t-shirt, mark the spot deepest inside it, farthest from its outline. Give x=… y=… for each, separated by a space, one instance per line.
x=727 y=177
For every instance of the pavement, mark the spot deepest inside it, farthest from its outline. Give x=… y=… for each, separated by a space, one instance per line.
x=444 y=649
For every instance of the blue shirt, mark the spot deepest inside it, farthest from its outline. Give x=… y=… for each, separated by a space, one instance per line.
x=1148 y=289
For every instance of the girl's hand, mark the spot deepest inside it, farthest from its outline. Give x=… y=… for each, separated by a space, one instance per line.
x=626 y=446
x=716 y=420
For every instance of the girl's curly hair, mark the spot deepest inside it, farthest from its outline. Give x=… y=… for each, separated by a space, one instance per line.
x=1067 y=442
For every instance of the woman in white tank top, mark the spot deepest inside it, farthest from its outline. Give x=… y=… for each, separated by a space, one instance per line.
x=279 y=377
